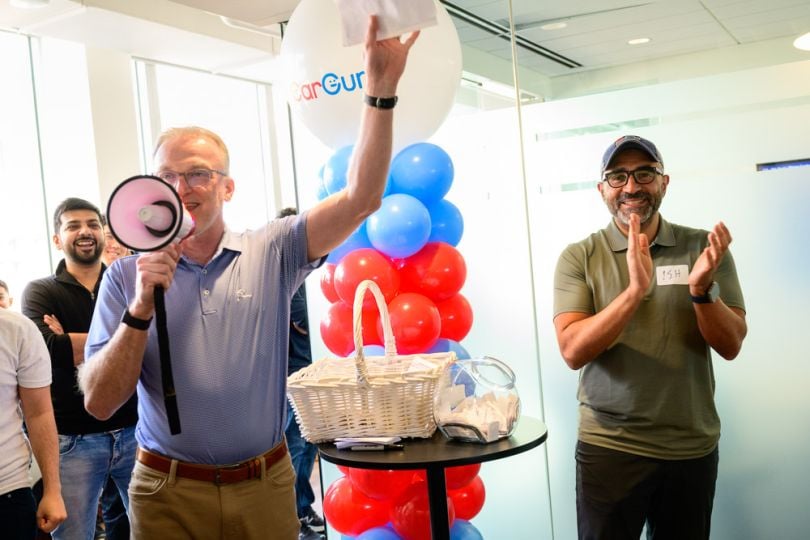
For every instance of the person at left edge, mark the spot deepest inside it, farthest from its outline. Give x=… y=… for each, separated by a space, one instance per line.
x=227 y=474
x=91 y=451
x=25 y=375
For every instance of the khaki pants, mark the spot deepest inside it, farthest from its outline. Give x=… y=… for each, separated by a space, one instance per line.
x=163 y=506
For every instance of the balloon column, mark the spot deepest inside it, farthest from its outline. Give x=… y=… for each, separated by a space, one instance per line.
x=408 y=247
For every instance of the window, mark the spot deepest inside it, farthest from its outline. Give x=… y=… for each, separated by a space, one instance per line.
x=235 y=109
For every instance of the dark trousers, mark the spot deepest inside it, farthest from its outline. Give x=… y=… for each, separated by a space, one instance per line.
x=18 y=514
x=617 y=493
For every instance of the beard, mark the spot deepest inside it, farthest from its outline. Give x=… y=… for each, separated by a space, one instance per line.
x=622 y=213
x=83 y=255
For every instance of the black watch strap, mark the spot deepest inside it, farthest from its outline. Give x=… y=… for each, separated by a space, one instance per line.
x=381 y=102
x=710 y=296
x=134 y=322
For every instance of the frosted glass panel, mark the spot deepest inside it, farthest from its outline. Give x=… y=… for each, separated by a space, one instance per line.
x=712 y=132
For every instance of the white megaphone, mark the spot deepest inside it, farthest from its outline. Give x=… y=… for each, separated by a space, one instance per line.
x=146 y=214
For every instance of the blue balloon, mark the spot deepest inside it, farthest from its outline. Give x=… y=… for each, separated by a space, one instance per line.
x=448 y=345
x=334 y=171
x=401 y=226
x=422 y=170
x=379 y=533
x=357 y=240
x=446 y=222
x=463 y=530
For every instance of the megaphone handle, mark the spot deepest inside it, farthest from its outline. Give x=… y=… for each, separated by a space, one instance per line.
x=169 y=394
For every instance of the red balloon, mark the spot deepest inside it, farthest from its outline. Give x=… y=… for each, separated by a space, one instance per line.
x=469 y=500
x=415 y=321
x=328 y=282
x=437 y=270
x=410 y=513
x=362 y=264
x=457 y=317
x=381 y=485
x=370 y=318
x=336 y=329
x=458 y=477
x=350 y=512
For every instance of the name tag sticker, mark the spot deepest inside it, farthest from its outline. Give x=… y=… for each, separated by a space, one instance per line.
x=677 y=274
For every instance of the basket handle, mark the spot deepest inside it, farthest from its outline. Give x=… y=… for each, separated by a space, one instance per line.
x=388 y=333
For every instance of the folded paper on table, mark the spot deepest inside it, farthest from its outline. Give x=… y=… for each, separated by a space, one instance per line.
x=351 y=442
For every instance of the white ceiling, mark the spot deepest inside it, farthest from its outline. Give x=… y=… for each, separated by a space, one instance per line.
x=201 y=33
x=597 y=31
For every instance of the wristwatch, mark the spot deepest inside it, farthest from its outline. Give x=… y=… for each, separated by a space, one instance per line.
x=710 y=296
x=381 y=102
x=133 y=322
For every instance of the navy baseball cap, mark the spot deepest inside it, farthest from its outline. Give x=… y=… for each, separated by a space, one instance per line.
x=627 y=142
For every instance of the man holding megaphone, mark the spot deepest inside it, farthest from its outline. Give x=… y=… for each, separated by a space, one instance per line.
x=227 y=473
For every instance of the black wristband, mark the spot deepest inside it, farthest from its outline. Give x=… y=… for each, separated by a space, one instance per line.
x=134 y=322
x=381 y=102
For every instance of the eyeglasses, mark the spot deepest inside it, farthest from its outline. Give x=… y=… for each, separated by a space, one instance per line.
x=643 y=175
x=194 y=177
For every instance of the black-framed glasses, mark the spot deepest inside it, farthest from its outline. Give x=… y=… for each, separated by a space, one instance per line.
x=643 y=175
x=194 y=177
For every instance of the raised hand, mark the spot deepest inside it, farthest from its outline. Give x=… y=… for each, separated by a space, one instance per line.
x=385 y=60
x=702 y=274
x=639 y=260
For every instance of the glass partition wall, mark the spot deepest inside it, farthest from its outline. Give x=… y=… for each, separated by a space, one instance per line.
x=526 y=166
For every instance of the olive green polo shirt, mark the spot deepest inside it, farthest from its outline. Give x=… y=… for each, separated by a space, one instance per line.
x=651 y=392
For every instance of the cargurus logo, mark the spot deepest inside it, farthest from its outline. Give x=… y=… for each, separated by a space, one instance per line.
x=330 y=84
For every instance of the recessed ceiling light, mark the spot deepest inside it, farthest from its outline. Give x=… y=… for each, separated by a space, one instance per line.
x=803 y=42
x=554 y=26
x=29 y=4
x=639 y=41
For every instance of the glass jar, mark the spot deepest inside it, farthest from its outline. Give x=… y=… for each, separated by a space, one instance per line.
x=476 y=400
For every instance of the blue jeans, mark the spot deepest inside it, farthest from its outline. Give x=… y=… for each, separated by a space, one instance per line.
x=302 y=454
x=113 y=513
x=85 y=464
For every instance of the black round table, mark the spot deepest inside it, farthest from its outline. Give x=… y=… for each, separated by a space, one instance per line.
x=434 y=455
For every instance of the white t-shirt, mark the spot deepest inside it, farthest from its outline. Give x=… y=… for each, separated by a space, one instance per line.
x=24 y=361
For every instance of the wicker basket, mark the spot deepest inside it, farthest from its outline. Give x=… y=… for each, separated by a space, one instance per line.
x=374 y=396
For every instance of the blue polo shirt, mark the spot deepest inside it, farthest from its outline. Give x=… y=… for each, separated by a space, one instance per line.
x=228 y=325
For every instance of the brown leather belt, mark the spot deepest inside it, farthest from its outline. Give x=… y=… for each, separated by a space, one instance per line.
x=226 y=474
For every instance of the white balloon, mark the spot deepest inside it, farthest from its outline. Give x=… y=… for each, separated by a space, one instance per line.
x=326 y=80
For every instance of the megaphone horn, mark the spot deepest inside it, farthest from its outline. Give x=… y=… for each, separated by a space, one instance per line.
x=146 y=214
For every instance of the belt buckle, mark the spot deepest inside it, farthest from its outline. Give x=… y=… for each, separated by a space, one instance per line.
x=218 y=472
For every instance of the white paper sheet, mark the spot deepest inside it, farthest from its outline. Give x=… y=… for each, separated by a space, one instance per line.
x=396 y=17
